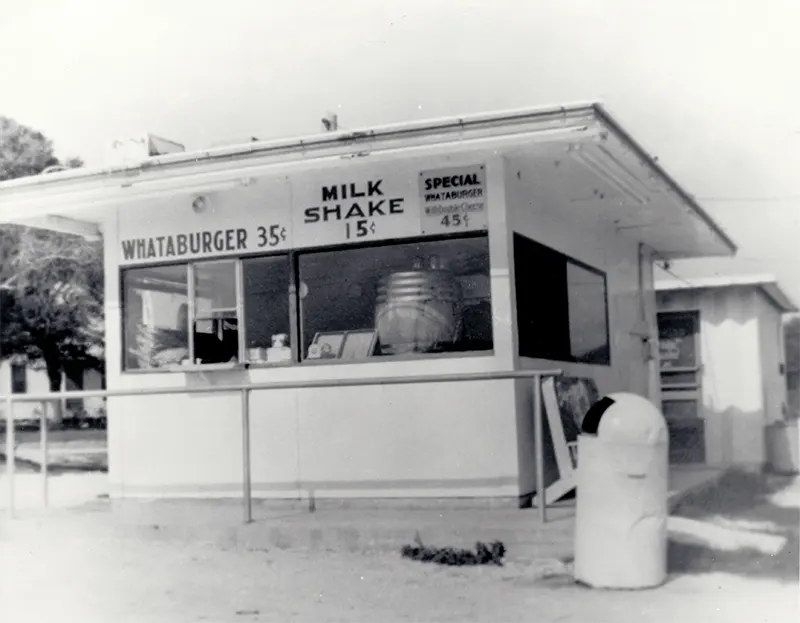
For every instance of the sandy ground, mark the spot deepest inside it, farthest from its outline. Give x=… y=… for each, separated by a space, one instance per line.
x=80 y=565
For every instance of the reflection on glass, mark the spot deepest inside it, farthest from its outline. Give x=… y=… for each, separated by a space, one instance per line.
x=266 y=309
x=216 y=325
x=155 y=316
x=413 y=298
x=562 y=311
x=215 y=289
x=588 y=323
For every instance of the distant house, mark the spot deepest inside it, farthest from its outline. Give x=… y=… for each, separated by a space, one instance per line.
x=18 y=377
x=722 y=366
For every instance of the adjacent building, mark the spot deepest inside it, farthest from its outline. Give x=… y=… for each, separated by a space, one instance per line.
x=722 y=366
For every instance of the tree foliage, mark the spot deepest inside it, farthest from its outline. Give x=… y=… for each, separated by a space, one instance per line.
x=52 y=282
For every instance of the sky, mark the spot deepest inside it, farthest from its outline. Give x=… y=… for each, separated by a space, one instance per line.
x=708 y=86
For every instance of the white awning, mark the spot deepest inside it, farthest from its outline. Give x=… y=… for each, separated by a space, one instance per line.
x=575 y=161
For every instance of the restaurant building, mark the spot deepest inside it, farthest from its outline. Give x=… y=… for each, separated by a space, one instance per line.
x=499 y=242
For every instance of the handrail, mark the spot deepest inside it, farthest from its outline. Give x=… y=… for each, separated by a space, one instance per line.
x=244 y=389
x=321 y=383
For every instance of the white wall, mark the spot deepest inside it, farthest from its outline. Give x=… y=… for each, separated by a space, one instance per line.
x=609 y=252
x=92 y=379
x=37 y=383
x=772 y=357
x=410 y=440
x=603 y=249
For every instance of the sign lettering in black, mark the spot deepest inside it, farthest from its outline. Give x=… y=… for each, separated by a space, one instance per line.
x=338 y=204
x=360 y=228
x=200 y=243
x=272 y=236
x=452 y=181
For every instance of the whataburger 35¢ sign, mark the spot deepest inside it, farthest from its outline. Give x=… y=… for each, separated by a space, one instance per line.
x=343 y=207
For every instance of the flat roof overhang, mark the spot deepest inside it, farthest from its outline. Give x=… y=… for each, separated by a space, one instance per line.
x=574 y=160
x=768 y=284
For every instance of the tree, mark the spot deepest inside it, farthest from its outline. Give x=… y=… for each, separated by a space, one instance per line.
x=52 y=282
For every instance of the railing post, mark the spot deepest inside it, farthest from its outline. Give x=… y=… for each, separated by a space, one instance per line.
x=538 y=432
x=43 y=432
x=246 y=478
x=10 y=459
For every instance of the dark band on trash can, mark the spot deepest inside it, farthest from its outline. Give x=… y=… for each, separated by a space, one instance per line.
x=591 y=422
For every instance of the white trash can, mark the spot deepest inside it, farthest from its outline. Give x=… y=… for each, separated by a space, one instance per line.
x=622 y=489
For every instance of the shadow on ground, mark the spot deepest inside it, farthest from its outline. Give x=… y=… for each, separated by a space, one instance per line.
x=745 y=502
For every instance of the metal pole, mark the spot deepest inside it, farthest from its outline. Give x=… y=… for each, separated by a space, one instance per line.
x=317 y=384
x=10 y=460
x=246 y=482
x=538 y=432
x=43 y=444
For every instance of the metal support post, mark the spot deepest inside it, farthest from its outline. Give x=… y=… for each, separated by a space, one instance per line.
x=10 y=458
x=538 y=431
x=246 y=479
x=43 y=433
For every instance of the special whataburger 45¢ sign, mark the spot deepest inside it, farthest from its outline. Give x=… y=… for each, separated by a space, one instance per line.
x=453 y=200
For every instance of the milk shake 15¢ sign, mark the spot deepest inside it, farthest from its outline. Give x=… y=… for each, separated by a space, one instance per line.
x=353 y=208
x=453 y=200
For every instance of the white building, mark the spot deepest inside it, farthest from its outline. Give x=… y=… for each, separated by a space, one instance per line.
x=529 y=237
x=722 y=366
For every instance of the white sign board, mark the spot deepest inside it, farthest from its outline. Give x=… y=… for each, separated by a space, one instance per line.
x=238 y=221
x=453 y=200
x=348 y=205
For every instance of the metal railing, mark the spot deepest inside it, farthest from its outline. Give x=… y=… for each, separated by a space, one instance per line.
x=244 y=390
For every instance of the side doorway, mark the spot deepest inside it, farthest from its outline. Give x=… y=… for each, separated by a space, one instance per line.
x=681 y=389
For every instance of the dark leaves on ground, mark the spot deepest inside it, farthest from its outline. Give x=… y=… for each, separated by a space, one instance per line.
x=483 y=554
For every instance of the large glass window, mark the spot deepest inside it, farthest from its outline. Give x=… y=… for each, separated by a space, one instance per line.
x=216 y=312
x=562 y=307
x=267 y=313
x=239 y=311
x=420 y=297
x=156 y=306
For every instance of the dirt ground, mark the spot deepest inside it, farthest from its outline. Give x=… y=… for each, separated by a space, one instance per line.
x=79 y=565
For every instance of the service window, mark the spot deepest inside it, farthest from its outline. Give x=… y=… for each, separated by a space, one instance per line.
x=215 y=312
x=268 y=309
x=155 y=316
x=411 y=298
x=211 y=312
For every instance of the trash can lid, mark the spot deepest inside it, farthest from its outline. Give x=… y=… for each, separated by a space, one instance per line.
x=630 y=419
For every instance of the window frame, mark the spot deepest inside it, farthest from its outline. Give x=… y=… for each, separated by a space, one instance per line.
x=567 y=259
x=295 y=307
x=191 y=319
